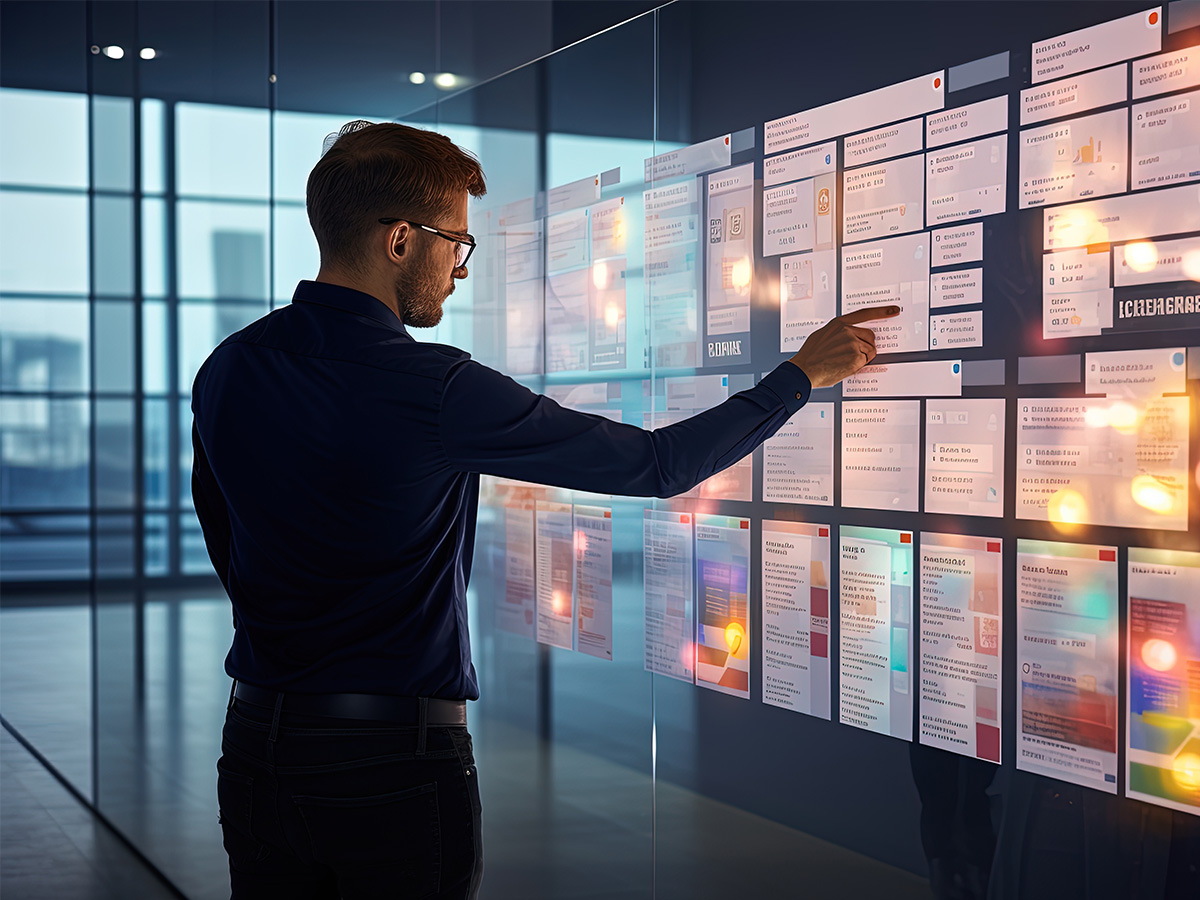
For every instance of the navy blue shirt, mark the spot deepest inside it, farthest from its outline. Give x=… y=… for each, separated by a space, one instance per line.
x=336 y=479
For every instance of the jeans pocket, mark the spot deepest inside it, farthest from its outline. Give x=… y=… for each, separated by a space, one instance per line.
x=395 y=836
x=235 y=797
x=235 y=804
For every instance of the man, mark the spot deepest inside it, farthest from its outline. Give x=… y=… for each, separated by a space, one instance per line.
x=336 y=478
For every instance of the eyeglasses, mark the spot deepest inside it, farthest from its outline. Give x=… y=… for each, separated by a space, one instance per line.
x=462 y=248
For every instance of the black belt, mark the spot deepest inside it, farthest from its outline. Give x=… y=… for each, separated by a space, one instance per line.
x=378 y=707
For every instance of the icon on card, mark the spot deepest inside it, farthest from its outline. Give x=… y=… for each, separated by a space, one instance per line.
x=735 y=220
x=823 y=202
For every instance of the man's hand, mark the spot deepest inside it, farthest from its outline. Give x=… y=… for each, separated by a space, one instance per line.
x=840 y=348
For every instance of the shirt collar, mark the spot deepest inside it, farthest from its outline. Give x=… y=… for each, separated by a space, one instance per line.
x=348 y=300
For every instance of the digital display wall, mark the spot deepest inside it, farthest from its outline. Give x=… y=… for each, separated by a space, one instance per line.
x=984 y=543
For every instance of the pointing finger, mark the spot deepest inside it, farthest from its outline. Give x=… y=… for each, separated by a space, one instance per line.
x=867 y=313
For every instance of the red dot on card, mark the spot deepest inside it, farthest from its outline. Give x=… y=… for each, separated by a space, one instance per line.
x=1153 y=18
x=937 y=82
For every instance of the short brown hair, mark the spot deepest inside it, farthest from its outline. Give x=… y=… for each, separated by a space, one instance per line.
x=375 y=171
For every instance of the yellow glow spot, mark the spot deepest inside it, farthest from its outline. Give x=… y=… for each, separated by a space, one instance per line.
x=740 y=276
x=1159 y=655
x=1191 y=264
x=619 y=229
x=558 y=602
x=734 y=635
x=600 y=275
x=1067 y=507
x=1186 y=770
x=1124 y=417
x=1150 y=494
x=1096 y=417
x=445 y=80
x=1080 y=227
x=1141 y=256
x=416 y=77
x=581 y=542
x=612 y=315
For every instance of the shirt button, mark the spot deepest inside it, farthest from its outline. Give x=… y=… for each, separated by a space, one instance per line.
x=799 y=396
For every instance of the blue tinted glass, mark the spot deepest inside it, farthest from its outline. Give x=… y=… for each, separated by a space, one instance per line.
x=157 y=553
x=114 y=453
x=43 y=453
x=154 y=143
x=204 y=325
x=221 y=251
x=112 y=119
x=296 y=254
x=43 y=345
x=156 y=453
x=41 y=548
x=113 y=245
x=154 y=247
x=44 y=140
x=222 y=151
x=29 y=263
x=114 y=350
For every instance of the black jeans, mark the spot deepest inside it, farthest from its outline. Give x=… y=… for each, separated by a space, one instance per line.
x=314 y=807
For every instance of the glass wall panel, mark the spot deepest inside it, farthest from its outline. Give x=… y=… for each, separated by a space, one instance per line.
x=222 y=250
x=44 y=345
x=823 y=670
x=46 y=547
x=44 y=449
x=116 y=353
x=44 y=142
x=28 y=262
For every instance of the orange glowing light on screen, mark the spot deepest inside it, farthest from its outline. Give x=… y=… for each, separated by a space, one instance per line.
x=612 y=315
x=740 y=275
x=1186 y=770
x=1151 y=494
x=1067 y=507
x=1081 y=227
x=1159 y=655
x=1141 y=256
x=1096 y=417
x=1191 y=264
x=735 y=634
x=600 y=275
x=581 y=542
x=618 y=231
x=688 y=655
x=558 y=602
x=1124 y=417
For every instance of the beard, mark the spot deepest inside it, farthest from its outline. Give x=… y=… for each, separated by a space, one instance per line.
x=421 y=289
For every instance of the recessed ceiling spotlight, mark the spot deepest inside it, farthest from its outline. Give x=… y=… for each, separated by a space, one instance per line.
x=445 y=80
x=417 y=77
x=112 y=51
x=147 y=53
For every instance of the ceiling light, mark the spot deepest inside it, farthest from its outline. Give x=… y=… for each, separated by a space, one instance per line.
x=445 y=80
x=147 y=53
x=417 y=77
x=112 y=51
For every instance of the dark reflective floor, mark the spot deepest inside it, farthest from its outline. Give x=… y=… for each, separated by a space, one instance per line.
x=560 y=822
x=52 y=846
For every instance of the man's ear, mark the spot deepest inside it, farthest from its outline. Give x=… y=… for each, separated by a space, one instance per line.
x=397 y=241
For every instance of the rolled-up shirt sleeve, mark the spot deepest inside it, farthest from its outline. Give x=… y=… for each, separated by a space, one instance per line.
x=492 y=425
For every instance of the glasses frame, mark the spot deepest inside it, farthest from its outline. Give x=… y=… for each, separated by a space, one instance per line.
x=462 y=240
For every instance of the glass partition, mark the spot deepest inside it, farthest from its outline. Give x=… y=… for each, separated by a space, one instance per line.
x=938 y=634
